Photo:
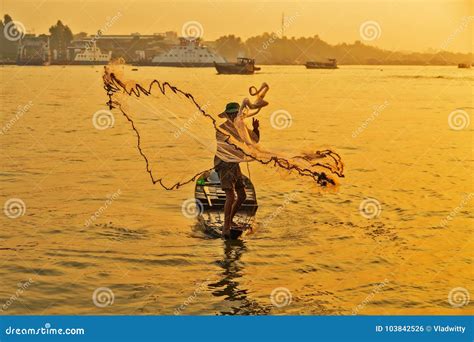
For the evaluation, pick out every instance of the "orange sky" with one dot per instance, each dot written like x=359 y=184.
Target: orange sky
x=404 y=25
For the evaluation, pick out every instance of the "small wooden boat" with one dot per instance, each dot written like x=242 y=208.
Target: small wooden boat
x=244 y=66
x=330 y=64
x=210 y=200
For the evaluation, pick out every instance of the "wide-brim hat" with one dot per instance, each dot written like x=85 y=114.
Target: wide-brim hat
x=230 y=108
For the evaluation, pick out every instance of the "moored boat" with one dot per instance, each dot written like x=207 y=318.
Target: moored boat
x=244 y=66
x=82 y=52
x=91 y=55
x=330 y=64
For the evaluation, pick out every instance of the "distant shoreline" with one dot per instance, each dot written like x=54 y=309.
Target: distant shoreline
x=211 y=67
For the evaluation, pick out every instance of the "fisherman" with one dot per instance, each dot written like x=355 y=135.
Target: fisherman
x=228 y=156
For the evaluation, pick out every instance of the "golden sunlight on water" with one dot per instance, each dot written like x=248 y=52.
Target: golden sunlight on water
x=403 y=158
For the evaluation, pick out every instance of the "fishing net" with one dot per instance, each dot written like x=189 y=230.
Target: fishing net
x=178 y=139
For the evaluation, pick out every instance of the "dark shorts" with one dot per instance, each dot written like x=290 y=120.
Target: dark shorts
x=229 y=174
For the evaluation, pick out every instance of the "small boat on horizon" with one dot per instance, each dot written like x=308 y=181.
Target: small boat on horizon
x=244 y=66
x=464 y=66
x=330 y=64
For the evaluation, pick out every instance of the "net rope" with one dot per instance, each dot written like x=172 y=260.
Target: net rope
x=233 y=141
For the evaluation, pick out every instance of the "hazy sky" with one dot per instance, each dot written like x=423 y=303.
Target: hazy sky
x=404 y=25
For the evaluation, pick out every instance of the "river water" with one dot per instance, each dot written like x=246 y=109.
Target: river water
x=316 y=251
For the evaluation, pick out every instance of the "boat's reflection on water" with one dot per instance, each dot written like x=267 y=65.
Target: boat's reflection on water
x=236 y=298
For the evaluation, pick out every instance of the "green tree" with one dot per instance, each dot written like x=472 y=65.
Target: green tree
x=230 y=47
x=61 y=37
x=8 y=48
x=81 y=35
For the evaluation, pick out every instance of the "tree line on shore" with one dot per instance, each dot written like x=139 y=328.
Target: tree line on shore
x=60 y=36
x=268 y=48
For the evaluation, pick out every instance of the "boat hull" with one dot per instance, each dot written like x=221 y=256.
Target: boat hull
x=89 y=62
x=79 y=62
x=210 y=199
x=320 y=66
x=235 y=69
x=174 y=64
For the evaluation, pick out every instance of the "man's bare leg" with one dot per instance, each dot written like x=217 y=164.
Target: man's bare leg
x=228 y=206
x=241 y=196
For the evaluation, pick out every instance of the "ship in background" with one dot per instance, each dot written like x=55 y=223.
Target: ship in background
x=81 y=52
x=188 y=53
x=330 y=64
x=33 y=51
x=244 y=66
x=36 y=51
x=90 y=54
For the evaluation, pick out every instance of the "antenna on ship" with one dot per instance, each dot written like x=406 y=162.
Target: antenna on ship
x=282 y=24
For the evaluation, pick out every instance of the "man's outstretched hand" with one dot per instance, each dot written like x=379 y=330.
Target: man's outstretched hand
x=256 y=131
x=255 y=124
